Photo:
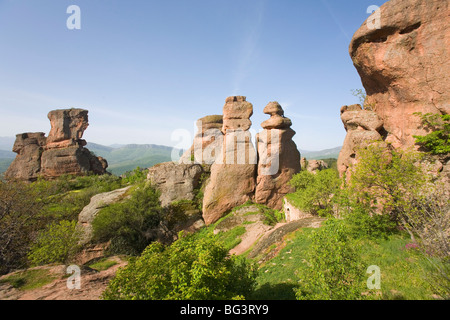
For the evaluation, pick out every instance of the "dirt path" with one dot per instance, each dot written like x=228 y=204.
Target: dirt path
x=92 y=284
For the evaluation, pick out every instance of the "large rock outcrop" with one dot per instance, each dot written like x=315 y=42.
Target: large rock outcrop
x=405 y=68
x=363 y=128
x=278 y=158
x=62 y=152
x=233 y=174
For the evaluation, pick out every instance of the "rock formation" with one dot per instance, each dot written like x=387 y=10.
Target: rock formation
x=89 y=212
x=313 y=165
x=223 y=147
x=363 y=128
x=207 y=141
x=62 y=152
x=405 y=68
x=233 y=174
x=175 y=181
x=279 y=158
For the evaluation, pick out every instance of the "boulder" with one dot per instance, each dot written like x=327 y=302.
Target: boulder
x=316 y=165
x=87 y=215
x=175 y=181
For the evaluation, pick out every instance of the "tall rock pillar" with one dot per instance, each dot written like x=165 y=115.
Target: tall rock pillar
x=279 y=158
x=233 y=174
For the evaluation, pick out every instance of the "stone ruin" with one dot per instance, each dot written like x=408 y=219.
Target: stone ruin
x=62 y=152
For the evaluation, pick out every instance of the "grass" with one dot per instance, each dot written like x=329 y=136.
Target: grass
x=231 y=238
x=103 y=264
x=402 y=270
x=30 y=279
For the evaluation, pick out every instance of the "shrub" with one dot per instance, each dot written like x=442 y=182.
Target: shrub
x=20 y=219
x=313 y=192
x=127 y=224
x=438 y=140
x=57 y=244
x=190 y=268
x=333 y=268
x=363 y=225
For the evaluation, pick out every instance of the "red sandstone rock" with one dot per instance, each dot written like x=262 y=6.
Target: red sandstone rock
x=27 y=164
x=279 y=158
x=233 y=173
x=405 y=65
x=61 y=153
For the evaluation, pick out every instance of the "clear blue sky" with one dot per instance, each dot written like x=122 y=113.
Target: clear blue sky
x=145 y=68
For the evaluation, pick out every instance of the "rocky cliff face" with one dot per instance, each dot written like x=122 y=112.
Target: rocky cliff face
x=404 y=67
x=62 y=152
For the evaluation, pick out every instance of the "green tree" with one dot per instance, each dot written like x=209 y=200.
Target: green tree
x=387 y=181
x=191 y=268
x=333 y=268
x=313 y=192
x=57 y=244
x=20 y=220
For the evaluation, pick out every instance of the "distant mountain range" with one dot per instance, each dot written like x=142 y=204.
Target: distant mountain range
x=322 y=154
x=123 y=158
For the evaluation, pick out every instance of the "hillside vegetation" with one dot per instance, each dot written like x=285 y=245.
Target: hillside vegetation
x=386 y=218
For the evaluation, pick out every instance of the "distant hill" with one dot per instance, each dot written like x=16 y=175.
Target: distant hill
x=322 y=154
x=124 y=158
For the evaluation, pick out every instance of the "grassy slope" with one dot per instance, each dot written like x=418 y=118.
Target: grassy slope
x=401 y=270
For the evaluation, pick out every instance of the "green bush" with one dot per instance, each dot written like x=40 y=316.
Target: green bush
x=362 y=225
x=57 y=244
x=127 y=224
x=438 y=140
x=333 y=267
x=313 y=192
x=189 y=269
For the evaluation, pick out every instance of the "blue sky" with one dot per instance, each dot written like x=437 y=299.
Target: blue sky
x=146 y=68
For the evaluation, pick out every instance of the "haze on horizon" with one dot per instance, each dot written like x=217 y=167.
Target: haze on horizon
x=144 y=69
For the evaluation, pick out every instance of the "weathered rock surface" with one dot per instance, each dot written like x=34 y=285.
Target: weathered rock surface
x=279 y=158
x=405 y=65
x=233 y=173
x=27 y=164
x=314 y=165
x=207 y=141
x=67 y=127
x=405 y=68
x=175 y=181
x=61 y=153
x=361 y=126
